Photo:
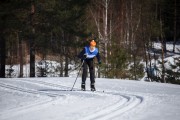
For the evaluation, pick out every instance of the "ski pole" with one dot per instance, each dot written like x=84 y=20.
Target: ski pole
x=77 y=75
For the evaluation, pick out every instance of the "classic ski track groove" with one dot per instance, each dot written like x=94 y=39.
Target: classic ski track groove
x=48 y=84
x=32 y=91
x=51 y=97
x=112 y=111
x=125 y=103
x=128 y=103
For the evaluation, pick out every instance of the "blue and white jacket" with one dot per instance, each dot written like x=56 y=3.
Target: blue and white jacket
x=90 y=54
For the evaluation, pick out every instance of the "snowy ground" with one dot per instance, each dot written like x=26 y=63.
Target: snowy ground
x=50 y=99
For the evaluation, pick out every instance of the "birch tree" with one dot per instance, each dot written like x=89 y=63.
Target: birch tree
x=101 y=19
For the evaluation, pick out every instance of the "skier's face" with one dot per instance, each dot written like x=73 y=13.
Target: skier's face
x=92 y=48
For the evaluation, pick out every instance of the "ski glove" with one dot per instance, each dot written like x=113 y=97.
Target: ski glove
x=84 y=56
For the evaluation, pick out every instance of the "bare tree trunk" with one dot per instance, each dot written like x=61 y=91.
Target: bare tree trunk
x=155 y=60
x=105 y=32
x=162 y=58
x=20 y=54
x=127 y=27
x=2 y=56
x=2 y=48
x=162 y=49
x=146 y=59
x=175 y=23
x=150 y=64
x=61 y=65
x=32 y=44
x=134 y=60
x=66 y=36
x=134 y=26
x=66 y=66
x=121 y=21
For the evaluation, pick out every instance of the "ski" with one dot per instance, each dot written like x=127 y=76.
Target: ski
x=83 y=90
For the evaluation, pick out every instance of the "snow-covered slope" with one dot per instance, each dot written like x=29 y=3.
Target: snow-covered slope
x=51 y=99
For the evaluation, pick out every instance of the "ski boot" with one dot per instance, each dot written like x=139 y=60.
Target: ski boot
x=93 y=87
x=83 y=87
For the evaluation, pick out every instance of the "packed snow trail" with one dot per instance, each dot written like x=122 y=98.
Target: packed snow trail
x=51 y=99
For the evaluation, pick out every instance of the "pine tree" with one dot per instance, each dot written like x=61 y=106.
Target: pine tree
x=11 y=15
x=173 y=72
x=161 y=69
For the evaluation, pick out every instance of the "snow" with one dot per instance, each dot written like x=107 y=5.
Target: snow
x=51 y=99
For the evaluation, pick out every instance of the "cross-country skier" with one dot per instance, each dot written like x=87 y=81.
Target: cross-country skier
x=87 y=55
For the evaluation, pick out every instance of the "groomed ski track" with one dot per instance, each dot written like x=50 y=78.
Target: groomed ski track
x=123 y=104
x=103 y=104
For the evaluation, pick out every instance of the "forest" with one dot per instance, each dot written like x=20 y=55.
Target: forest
x=57 y=30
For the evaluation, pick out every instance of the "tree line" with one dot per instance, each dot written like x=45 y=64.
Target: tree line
x=124 y=30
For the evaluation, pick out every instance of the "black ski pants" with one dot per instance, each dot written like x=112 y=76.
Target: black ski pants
x=88 y=63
